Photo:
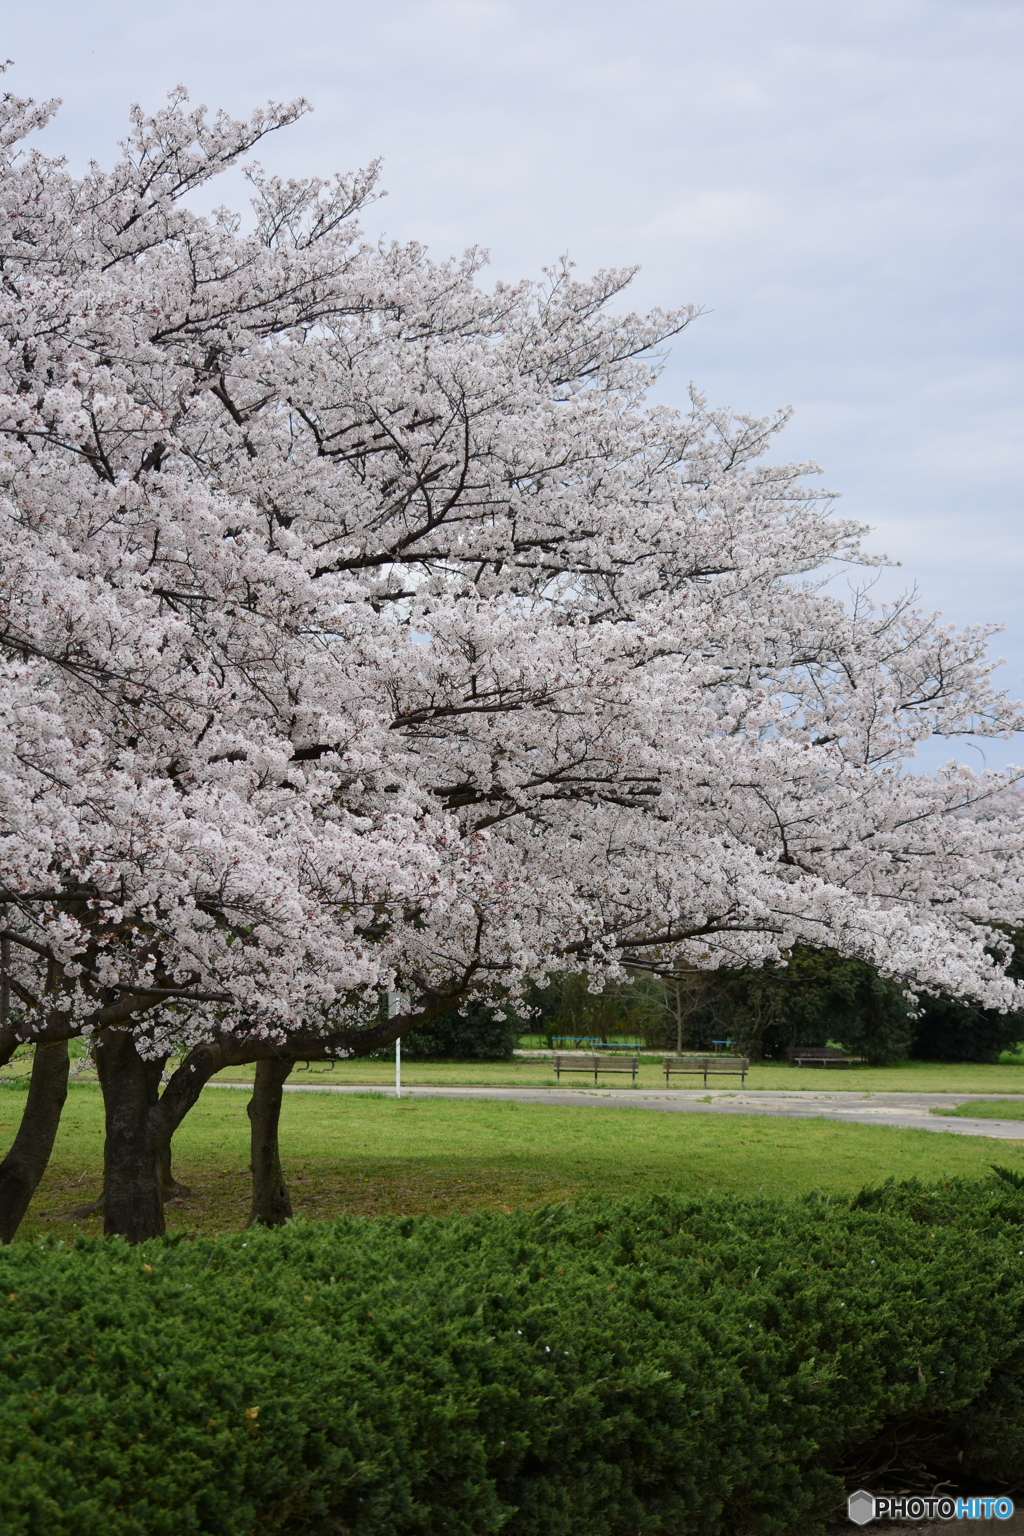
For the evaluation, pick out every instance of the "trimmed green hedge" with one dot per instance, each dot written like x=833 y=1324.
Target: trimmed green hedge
x=655 y=1365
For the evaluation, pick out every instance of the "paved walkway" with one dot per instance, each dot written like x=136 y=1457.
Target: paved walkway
x=911 y=1110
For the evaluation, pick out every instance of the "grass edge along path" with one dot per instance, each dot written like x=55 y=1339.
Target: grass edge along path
x=986 y=1109
x=528 y=1072
x=364 y=1155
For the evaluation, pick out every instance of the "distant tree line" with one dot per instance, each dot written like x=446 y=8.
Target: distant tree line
x=819 y=997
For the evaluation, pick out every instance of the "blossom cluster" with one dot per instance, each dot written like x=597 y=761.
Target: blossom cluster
x=363 y=626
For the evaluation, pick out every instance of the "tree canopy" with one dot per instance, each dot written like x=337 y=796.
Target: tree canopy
x=364 y=627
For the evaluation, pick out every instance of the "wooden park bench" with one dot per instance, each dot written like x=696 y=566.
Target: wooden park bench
x=820 y=1056
x=705 y=1064
x=575 y=1061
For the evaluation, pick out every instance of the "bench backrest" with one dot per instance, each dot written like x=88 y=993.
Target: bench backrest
x=795 y=1052
x=707 y=1063
x=580 y=1059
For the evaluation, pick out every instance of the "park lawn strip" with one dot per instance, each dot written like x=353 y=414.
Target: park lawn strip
x=900 y=1077
x=987 y=1109
x=372 y=1156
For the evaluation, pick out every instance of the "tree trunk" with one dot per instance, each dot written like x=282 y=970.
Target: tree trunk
x=132 y=1205
x=170 y=1189
x=26 y=1162
x=677 y=1007
x=271 y=1203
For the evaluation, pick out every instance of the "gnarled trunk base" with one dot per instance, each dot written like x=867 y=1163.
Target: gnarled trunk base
x=132 y=1204
x=170 y=1189
x=271 y=1203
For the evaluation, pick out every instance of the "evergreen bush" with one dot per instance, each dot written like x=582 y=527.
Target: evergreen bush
x=818 y=998
x=475 y=1035
x=660 y=1365
x=948 y=1029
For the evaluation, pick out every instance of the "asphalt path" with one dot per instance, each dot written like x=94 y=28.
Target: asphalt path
x=908 y=1110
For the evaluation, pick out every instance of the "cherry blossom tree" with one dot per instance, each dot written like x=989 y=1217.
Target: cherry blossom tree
x=364 y=627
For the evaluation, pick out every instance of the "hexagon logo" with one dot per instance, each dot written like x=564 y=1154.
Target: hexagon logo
x=860 y=1507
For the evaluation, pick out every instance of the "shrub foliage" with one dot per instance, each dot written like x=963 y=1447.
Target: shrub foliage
x=474 y=1035
x=949 y=1029
x=657 y=1365
x=818 y=997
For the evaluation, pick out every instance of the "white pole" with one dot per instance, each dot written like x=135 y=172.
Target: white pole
x=395 y=1005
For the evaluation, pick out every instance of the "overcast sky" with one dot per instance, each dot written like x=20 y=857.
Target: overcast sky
x=837 y=185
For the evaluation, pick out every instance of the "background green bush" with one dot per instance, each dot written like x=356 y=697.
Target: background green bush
x=656 y=1365
x=475 y=1035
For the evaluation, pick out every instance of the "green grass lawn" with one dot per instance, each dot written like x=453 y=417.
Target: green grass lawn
x=374 y=1155
x=988 y=1109
x=906 y=1076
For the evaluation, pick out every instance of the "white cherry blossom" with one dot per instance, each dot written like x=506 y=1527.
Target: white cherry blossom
x=365 y=626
